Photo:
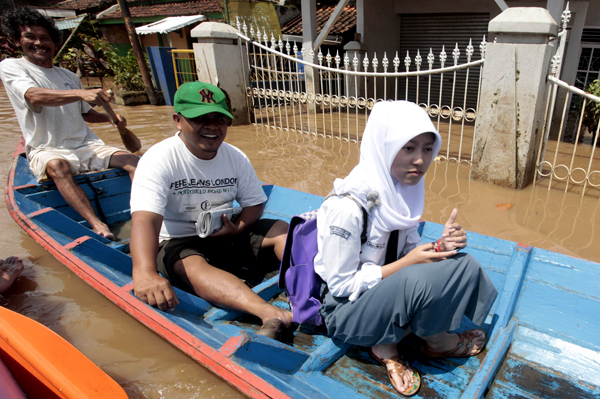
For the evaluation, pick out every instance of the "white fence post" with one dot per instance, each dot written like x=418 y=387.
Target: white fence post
x=511 y=107
x=219 y=62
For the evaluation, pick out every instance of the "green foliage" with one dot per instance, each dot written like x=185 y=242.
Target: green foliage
x=87 y=56
x=127 y=72
x=591 y=115
x=93 y=56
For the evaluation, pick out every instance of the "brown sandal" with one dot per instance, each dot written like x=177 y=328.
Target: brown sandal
x=399 y=366
x=465 y=339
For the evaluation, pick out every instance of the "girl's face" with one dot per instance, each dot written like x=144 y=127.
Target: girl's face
x=413 y=160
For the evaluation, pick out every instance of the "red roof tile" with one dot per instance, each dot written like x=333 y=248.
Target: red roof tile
x=345 y=22
x=36 y=3
x=85 y=5
x=169 y=9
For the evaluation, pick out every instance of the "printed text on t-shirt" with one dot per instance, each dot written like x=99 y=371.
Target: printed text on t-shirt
x=193 y=183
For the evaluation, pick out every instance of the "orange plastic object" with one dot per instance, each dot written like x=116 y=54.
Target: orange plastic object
x=46 y=366
x=504 y=206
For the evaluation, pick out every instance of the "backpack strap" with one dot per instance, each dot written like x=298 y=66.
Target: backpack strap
x=363 y=235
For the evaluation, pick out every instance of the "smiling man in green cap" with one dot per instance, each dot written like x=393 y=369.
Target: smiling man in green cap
x=193 y=172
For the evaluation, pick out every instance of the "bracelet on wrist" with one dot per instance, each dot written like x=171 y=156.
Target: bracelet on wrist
x=438 y=245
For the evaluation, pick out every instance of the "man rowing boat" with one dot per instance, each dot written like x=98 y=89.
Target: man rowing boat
x=52 y=109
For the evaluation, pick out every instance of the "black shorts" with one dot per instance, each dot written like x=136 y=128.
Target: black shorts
x=239 y=255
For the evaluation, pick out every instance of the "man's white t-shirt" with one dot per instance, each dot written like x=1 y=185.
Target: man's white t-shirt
x=46 y=127
x=173 y=182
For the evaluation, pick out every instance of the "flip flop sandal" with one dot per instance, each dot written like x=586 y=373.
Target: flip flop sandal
x=465 y=339
x=399 y=366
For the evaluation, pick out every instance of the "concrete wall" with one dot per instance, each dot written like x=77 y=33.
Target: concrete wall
x=592 y=19
x=149 y=40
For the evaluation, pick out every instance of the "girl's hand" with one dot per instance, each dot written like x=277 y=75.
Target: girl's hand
x=453 y=236
x=425 y=253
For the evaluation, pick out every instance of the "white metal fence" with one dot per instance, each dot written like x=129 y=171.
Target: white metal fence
x=291 y=88
x=567 y=156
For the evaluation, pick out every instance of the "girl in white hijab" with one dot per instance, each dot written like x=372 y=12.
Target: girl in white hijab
x=377 y=295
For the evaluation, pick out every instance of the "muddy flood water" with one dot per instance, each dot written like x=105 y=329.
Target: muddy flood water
x=146 y=365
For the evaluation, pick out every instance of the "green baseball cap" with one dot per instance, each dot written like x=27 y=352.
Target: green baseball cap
x=194 y=99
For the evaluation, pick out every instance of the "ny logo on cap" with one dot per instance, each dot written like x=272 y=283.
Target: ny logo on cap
x=207 y=96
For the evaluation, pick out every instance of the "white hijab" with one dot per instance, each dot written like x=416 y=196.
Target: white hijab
x=390 y=126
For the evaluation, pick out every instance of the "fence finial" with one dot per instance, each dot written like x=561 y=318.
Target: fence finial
x=566 y=17
x=418 y=60
x=396 y=62
x=385 y=62
x=555 y=64
x=483 y=47
x=470 y=51
x=443 y=56
x=375 y=62
x=430 y=58
x=407 y=61
x=455 y=54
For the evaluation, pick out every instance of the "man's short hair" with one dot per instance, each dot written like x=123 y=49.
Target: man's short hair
x=13 y=20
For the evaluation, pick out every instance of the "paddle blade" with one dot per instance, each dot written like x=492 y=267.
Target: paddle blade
x=51 y=360
x=130 y=140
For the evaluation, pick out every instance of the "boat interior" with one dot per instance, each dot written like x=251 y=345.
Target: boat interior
x=543 y=339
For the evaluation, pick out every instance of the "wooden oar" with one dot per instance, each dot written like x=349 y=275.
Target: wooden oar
x=47 y=366
x=130 y=140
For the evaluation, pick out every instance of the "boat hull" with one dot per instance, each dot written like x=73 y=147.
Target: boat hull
x=522 y=326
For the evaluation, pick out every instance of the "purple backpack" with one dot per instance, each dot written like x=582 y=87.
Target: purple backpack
x=297 y=271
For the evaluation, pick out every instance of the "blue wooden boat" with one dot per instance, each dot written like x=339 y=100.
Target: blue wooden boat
x=544 y=328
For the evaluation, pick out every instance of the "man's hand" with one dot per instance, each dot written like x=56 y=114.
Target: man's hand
x=155 y=291
x=228 y=228
x=453 y=236
x=122 y=122
x=95 y=96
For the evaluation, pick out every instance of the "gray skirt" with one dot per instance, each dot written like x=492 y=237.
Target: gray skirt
x=429 y=298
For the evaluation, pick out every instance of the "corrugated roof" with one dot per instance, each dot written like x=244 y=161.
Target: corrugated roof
x=346 y=21
x=70 y=23
x=169 y=24
x=169 y=9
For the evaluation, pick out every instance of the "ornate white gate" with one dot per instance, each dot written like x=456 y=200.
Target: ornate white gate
x=294 y=89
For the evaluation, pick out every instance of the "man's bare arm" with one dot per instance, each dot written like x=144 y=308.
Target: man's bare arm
x=94 y=116
x=55 y=98
x=148 y=285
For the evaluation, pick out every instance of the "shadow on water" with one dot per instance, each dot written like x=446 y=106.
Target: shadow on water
x=146 y=365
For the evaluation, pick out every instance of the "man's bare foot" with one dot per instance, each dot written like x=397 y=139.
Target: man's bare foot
x=274 y=312
x=448 y=344
x=276 y=322
x=403 y=378
x=103 y=230
x=10 y=268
